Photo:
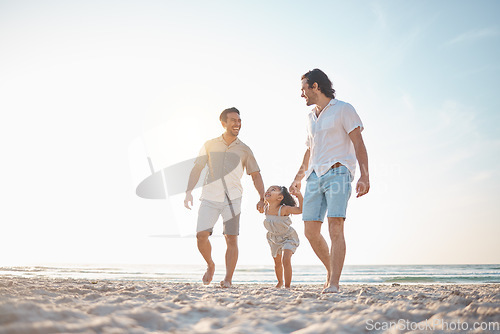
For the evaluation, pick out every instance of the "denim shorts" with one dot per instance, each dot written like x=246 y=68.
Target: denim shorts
x=330 y=191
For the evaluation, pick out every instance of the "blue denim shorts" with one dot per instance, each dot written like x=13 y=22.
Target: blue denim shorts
x=330 y=191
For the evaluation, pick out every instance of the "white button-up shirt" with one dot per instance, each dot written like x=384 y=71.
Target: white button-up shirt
x=328 y=137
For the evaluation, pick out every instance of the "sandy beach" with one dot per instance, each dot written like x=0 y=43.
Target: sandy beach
x=48 y=305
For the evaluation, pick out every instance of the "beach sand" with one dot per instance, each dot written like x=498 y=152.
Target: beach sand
x=46 y=305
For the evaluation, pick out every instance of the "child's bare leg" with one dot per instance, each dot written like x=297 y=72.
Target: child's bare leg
x=287 y=265
x=278 y=269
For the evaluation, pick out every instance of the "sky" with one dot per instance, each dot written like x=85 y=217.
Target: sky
x=89 y=90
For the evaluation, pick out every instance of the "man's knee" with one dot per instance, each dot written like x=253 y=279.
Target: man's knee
x=202 y=236
x=336 y=227
x=231 y=240
x=312 y=230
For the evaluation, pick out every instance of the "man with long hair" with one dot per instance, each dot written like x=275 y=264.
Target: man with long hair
x=334 y=143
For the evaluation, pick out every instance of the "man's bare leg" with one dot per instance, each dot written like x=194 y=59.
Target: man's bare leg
x=231 y=259
x=205 y=249
x=312 y=230
x=336 y=228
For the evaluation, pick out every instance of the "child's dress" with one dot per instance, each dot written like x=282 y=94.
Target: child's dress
x=280 y=234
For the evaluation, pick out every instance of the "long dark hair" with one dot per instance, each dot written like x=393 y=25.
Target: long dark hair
x=287 y=198
x=324 y=84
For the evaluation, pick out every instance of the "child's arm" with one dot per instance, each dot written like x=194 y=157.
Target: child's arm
x=293 y=210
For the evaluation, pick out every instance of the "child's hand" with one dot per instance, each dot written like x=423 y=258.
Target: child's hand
x=295 y=192
x=260 y=206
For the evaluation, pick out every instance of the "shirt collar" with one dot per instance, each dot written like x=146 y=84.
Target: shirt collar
x=331 y=103
x=237 y=141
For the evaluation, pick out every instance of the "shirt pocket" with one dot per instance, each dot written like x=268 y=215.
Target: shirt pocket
x=326 y=123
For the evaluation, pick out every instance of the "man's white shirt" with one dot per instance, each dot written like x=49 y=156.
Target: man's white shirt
x=328 y=137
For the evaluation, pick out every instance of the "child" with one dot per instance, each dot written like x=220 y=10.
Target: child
x=281 y=236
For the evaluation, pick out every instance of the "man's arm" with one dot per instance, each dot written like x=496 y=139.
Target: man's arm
x=295 y=187
x=259 y=185
x=363 y=185
x=193 y=180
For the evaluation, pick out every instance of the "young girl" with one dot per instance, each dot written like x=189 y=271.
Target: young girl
x=281 y=236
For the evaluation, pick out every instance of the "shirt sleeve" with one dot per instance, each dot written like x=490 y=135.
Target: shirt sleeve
x=251 y=164
x=202 y=158
x=350 y=119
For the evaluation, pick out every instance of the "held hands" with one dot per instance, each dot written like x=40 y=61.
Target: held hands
x=295 y=187
x=189 y=198
x=295 y=192
x=260 y=206
x=363 y=186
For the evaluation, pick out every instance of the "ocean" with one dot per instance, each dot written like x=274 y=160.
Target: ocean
x=352 y=274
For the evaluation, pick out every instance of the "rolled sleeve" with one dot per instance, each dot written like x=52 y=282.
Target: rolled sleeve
x=251 y=164
x=202 y=158
x=351 y=119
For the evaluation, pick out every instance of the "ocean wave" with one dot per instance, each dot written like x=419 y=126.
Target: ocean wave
x=302 y=274
x=443 y=279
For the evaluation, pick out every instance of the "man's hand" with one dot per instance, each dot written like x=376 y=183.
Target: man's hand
x=363 y=186
x=189 y=198
x=295 y=192
x=259 y=186
x=295 y=187
x=260 y=206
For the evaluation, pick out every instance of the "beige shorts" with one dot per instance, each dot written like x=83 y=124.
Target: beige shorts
x=210 y=211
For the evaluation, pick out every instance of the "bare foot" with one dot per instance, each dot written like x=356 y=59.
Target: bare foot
x=279 y=285
x=209 y=274
x=331 y=289
x=225 y=284
x=327 y=283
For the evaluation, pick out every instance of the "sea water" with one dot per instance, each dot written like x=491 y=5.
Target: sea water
x=352 y=274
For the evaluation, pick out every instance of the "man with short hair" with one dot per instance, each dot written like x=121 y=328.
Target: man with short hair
x=334 y=143
x=226 y=158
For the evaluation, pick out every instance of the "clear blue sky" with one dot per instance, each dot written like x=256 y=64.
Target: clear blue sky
x=89 y=89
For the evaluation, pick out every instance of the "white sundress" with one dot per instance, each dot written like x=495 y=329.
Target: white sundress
x=280 y=234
